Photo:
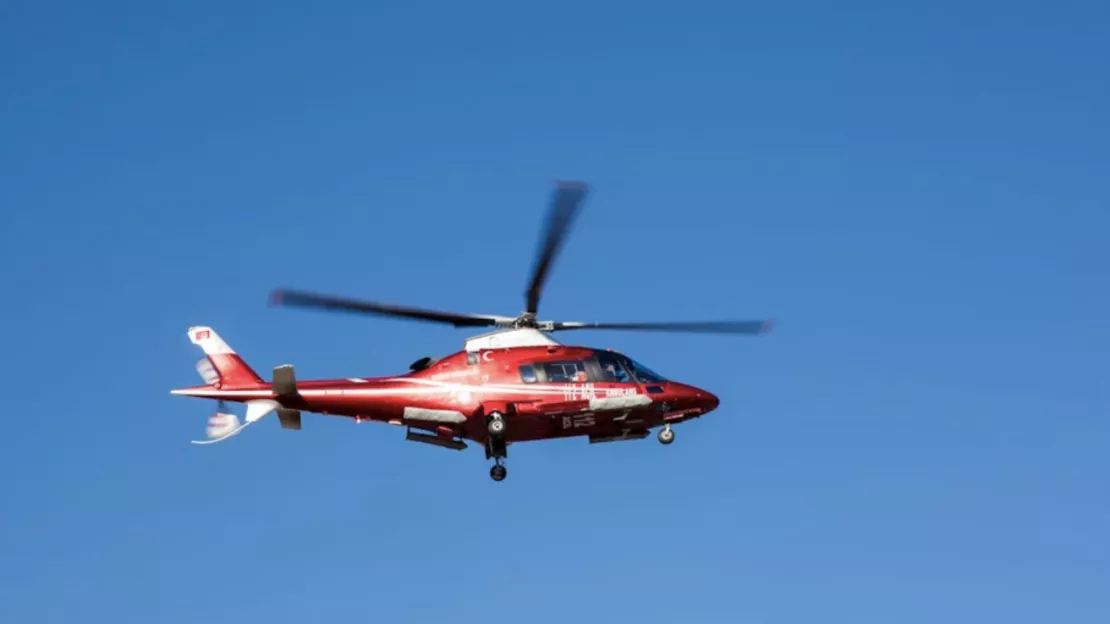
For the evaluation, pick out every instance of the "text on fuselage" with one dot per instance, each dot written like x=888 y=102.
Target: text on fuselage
x=587 y=392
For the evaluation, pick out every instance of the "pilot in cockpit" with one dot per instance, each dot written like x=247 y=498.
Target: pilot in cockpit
x=611 y=372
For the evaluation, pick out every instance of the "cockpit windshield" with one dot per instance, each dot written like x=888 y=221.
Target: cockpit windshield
x=642 y=373
x=623 y=369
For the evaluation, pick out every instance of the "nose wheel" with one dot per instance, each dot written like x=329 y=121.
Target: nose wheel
x=666 y=435
x=498 y=472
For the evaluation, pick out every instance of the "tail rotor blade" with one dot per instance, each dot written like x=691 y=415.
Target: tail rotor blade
x=224 y=424
x=221 y=425
x=207 y=372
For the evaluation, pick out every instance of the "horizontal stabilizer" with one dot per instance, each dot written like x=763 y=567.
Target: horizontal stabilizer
x=285 y=382
x=289 y=418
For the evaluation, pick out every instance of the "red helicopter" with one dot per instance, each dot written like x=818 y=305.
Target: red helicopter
x=514 y=384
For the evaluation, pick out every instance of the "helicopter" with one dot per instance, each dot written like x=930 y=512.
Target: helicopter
x=512 y=384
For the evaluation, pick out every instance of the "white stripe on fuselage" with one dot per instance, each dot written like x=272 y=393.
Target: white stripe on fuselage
x=431 y=386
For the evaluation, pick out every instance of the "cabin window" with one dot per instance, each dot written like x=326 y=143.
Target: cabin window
x=567 y=371
x=528 y=373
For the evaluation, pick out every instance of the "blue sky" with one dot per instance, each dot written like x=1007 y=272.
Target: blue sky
x=918 y=194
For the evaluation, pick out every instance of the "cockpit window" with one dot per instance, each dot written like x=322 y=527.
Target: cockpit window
x=612 y=370
x=644 y=374
x=640 y=372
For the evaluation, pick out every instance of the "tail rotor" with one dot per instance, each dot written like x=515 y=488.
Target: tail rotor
x=207 y=372
x=224 y=424
x=221 y=425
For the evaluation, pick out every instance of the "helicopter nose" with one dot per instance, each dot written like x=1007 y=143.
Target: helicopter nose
x=710 y=401
x=707 y=401
x=697 y=398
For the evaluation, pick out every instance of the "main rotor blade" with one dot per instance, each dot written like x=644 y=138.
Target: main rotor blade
x=704 y=327
x=564 y=206
x=304 y=299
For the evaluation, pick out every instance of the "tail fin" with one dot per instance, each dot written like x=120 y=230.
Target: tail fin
x=223 y=368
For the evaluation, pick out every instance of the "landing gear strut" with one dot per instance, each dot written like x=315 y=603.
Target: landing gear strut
x=496 y=447
x=496 y=424
x=666 y=435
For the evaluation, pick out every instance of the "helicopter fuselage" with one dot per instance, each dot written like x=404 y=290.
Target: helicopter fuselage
x=543 y=392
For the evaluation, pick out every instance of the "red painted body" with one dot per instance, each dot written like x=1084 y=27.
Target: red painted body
x=513 y=384
x=544 y=392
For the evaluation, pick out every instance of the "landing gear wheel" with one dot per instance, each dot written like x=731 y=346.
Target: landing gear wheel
x=666 y=435
x=496 y=424
x=498 y=472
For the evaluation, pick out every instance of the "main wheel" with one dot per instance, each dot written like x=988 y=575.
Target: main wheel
x=666 y=435
x=498 y=472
